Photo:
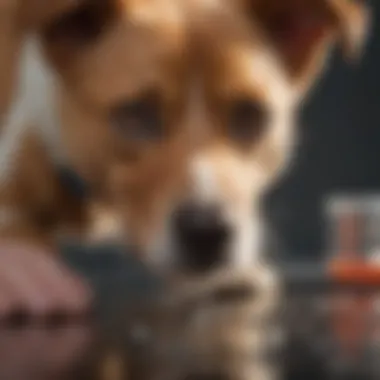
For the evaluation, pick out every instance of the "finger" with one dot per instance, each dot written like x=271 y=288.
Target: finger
x=40 y=283
x=18 y=293
x=21 y=276
x=19 y=281
x=69 y=292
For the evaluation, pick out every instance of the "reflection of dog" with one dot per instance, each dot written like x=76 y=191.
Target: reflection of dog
x=170 y=120
x=224 y=328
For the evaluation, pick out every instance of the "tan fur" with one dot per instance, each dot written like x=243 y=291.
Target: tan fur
x=199 y=57
x=10 y=41
x=36 y=198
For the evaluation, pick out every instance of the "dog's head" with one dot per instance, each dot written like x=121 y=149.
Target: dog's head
x=179 y=114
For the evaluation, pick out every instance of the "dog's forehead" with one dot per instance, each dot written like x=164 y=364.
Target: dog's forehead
x=152 y=13
x=223 y=44
x=199 y=22
x=153 y=43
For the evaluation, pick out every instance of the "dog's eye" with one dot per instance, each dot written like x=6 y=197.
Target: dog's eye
x=81 y=26
x=246 y=121
x=139 y=120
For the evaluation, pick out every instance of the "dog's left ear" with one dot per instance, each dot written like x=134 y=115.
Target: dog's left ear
x=302 y=31
x=35 y=13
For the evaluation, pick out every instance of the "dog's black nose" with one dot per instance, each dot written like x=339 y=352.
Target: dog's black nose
x=202 y=235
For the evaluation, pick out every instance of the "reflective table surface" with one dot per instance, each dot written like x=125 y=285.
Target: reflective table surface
x=97 y=347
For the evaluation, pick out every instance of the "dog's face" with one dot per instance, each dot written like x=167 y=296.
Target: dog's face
x=180 y=114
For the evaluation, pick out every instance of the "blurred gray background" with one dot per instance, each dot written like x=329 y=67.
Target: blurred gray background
x=339 y=150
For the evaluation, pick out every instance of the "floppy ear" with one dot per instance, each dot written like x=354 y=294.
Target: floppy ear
x=302 y=31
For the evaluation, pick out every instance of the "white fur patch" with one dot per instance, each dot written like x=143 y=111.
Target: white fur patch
x=204 y=181
x=105 y=226
x=33 y=107
x=264 y=70
x=246 y=243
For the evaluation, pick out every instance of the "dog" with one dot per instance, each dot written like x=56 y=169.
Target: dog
x=160 y=124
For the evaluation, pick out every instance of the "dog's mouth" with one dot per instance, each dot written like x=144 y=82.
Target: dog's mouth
x=221 y=289
x=232 y=293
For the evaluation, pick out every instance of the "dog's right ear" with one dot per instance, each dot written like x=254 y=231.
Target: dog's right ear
x=302 y=31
